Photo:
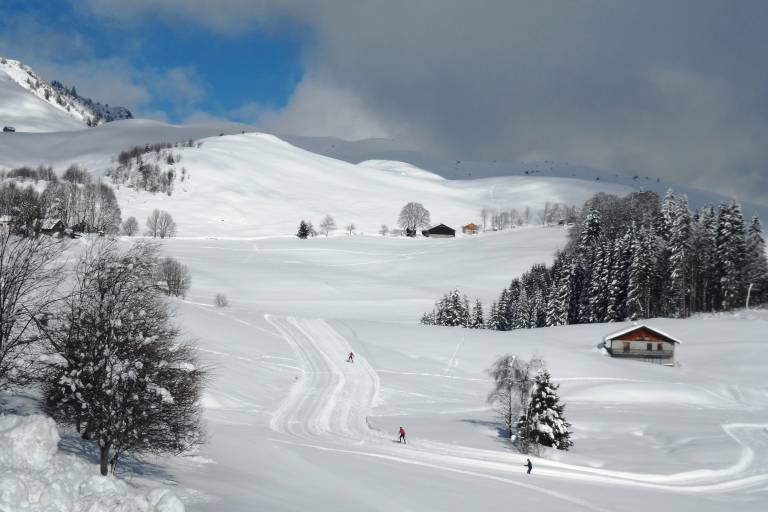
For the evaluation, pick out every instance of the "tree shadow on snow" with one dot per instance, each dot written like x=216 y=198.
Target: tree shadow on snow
x=19 y=404
x=502 y=432
x=127 y=467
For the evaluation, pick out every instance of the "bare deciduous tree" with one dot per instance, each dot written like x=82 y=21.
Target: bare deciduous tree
x=160 y=224
x=384 y=230
x=29 y=274
x=130 y=226
x=513 y=380
x=350 y=229
x=175 y=277
x=116 y=368
x=413 y=216
x=327 y=225
x=220 y=300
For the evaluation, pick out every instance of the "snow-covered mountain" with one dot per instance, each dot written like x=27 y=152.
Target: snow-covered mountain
x=30 y=104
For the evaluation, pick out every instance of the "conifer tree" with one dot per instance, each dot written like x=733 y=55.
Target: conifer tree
x=731 y=255
x=477 y=321
x=543 y=422
x=303 y=232
x=679 y=258
x=757 y=266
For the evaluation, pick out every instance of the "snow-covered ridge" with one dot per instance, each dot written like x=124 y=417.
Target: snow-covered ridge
x=35 y=477
x=62 y=100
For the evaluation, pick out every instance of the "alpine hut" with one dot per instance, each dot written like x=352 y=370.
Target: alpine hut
x=642 y=342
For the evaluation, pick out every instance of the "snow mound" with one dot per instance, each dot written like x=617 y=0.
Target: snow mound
x=34 y=477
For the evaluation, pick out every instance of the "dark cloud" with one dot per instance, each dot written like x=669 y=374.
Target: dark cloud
x=669 y=88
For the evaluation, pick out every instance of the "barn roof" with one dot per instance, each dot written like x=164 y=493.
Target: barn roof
x=440 y=228
x=615 y=335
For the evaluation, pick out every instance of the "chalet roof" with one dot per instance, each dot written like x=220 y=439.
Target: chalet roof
x=49 y=223
x=615 y=335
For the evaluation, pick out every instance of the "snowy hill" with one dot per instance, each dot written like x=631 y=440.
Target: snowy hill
x=253 y=184
x=30 y=104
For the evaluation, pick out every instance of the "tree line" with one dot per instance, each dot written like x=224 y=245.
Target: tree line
x=102 y=346
x=74 y=199
x=631 y=258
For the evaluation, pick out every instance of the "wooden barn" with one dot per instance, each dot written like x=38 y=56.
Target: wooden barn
x=51 y=227
x=642 y=342
x=439 y=231
x=470 y=229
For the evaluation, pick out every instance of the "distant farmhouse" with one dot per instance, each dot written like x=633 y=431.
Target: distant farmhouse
x=51 y=227
x=642 y=342
x=439 y=231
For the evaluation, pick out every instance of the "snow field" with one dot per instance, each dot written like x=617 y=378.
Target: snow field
x=324 y=431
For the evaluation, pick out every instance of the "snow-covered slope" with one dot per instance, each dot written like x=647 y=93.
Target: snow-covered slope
x=35 y=105
x=253 y=184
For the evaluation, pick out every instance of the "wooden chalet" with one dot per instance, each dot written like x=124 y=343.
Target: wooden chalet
x=439 y=231
x=470 y=229
x=642 y=342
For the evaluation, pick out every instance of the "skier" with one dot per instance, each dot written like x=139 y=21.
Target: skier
x=529 y=466
x=402 y=435
x=351 y=358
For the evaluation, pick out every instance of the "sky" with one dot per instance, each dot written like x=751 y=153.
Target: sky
x=669 y=88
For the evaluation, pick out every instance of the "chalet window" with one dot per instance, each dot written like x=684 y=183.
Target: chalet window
x=659 y=346
x=626 y=346
x=649 y=346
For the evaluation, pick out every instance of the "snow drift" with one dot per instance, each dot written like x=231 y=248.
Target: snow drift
x=35 y=477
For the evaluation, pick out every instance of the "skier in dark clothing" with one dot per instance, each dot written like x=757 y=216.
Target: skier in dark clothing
x=351 y=358
x=529 y=466
x=402 y=435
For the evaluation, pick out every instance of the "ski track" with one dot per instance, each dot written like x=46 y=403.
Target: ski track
x=328 y=406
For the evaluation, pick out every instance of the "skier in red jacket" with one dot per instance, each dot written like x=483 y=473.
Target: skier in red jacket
x=402 y=435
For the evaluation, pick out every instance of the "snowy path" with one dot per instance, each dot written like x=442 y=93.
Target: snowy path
x=329 y=403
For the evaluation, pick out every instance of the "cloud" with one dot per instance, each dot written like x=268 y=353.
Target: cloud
x=672 y=89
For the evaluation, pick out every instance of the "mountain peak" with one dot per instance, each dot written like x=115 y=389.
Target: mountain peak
x=52 y=106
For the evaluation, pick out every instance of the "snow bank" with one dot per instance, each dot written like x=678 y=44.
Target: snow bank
x=34 y=477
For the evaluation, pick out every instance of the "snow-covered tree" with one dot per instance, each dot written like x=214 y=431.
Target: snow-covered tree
x=413 y=216
x=757 y=266
x=327 y=225
x=543 y=422
x=384 y=230
x=477 y=319
x=641 y=275
x=117 y=370
x=513 y=379
x=731 y=255
x=679 y=257
x=452 y=310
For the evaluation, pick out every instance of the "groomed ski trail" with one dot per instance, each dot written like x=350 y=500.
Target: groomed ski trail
x=329 y=404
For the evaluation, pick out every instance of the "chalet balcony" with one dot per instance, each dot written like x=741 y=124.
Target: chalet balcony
x=640 y=353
